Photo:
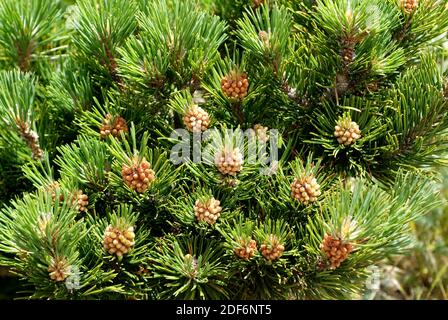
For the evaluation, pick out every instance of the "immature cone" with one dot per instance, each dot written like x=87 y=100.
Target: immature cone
x=261 y=133
x=113 y=126
x=347 y=132
x=306 y=189
x=59 y=269
x=409 y=6
x=139 y=175
x=235 y=85
x=208 y=211
x=336 y=250
x=118 y=241
x=273 y=249
x=247 y=249
x=82 y=201
x=196 y=119
x=31 y=138
x=229 y=162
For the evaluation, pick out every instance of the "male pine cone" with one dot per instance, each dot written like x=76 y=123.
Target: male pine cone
x=196 y=119
x=306 y=189
x=78 y=198
x=409 y=6
x=59 y=269
x=208 y=211
x=235 y=85
x=82 y=201
x=273 y=249
x=261 y=133
x=336 y=250
x=347 y=132
x=118 y=241
x=247 y=249
x=138 y=176
x=229 y=162
x=113 y=126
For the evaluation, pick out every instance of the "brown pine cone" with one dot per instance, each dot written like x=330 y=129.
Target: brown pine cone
x=229 y=162
x=235 y=85
x=139 y=175
x=247 y=249
x=273 y=249
x=306 y=189
x=347 y=131
x=196 y=119
x=118 y=241
x=336 y=250
x=208 y=211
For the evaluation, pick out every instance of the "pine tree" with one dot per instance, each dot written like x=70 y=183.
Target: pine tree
x=324 y=122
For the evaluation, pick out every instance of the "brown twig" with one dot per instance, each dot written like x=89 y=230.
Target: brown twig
x=24 y=57
x=238 y=112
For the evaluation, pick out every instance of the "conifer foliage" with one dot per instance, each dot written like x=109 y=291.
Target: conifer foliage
x=99 y=201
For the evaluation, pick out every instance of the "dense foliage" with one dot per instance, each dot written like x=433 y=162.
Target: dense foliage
x=343 y=103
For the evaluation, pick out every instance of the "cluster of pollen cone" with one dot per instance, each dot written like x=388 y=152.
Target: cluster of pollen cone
x=118 y=241
x=235 y=85
x=208 y=211
x=78 y=198
x=409 y=6
x=261 y=133
x=196 y=119
x=247 y=249
x=305 y=190
x=59 y=269
x=138 y=175
x=113 y=126
x=273 y=249
x=82 y=201
x=336 y=250
x=347 y=132
x=229 y=162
